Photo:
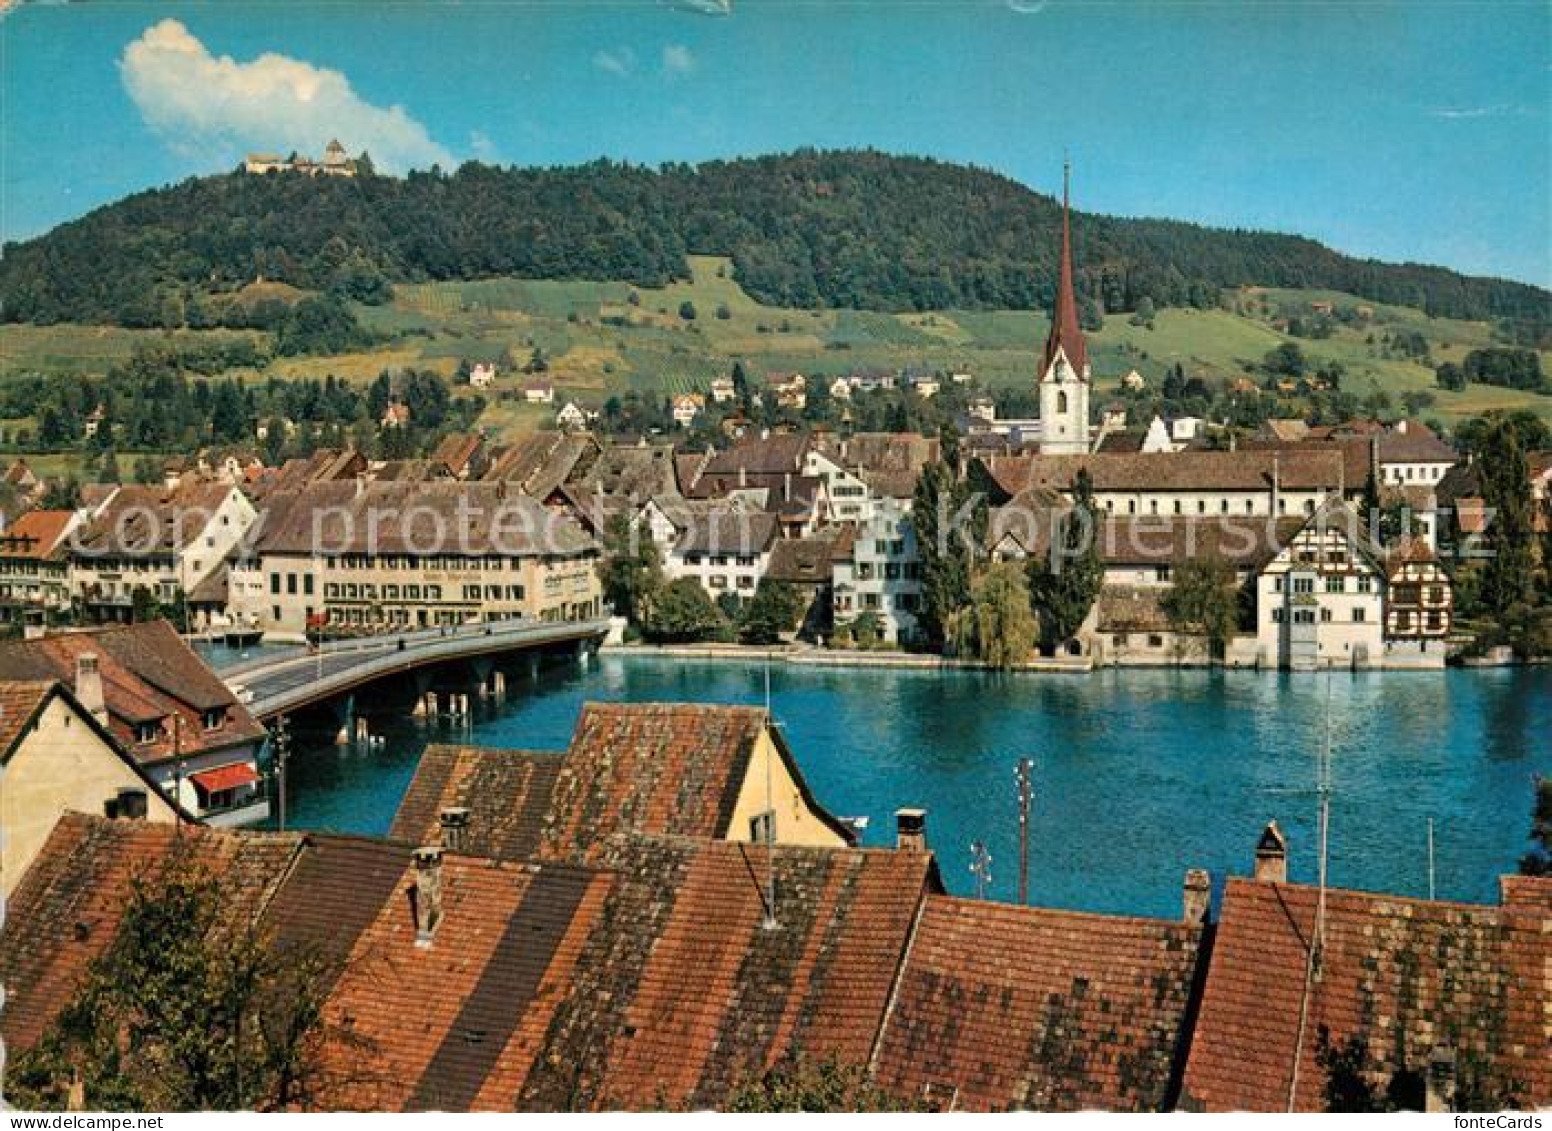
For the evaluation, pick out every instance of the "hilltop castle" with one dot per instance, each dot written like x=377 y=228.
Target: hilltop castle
x=336 y=163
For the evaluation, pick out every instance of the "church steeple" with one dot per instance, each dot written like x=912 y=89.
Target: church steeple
x=1066 y=334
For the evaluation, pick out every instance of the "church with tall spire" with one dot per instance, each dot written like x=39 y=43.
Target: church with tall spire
x=1064 y=369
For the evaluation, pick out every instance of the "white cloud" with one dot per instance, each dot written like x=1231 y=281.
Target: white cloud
x=618 y=62
x=677 y=59
x=211 y=108
x=707 y=7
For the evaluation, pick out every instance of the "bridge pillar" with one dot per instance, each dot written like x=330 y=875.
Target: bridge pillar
x=348 y=723
x=498 y=683
x=584 y=653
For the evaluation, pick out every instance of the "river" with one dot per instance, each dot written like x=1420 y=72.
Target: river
x=1139 y=774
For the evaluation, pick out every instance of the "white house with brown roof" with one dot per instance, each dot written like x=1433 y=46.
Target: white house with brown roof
x=57 y=757
x=164 y=541
x=1320 y=602
x=34 y=566
x=725 y=550
x=881 y=576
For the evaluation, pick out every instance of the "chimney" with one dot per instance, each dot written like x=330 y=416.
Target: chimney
x=455 y=828
x=743 y=475
x=88 y=686
x=1272 y=856
x=130 y=804
x=427 y=897
x=911 y=830
x=1277 y=487
x=786 y=487
x=1198 y=897
x=1439 y=1081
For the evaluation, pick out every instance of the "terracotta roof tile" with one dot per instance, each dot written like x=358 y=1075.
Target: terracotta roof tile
x=507 y=794
x=686 y=993
x=68 y=906
x=1406 y=975
x=148 y=674
x=1005 y=1007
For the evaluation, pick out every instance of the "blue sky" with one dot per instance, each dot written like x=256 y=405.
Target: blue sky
x=1412 y=131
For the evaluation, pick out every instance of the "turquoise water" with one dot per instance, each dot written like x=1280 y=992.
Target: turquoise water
x=1139 y=775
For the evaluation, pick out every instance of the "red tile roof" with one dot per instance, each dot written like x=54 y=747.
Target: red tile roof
x=507 y=794
x=672 y=768
x=1406 y=975
x=19 y=703
x=1003 y=1007
x=1294 y=468
x=148 y=674
x=687 y=993
x=36 y=535
x=657 y=768
x=68 y=906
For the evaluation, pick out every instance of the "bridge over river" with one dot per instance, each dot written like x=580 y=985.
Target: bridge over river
x=403 y=669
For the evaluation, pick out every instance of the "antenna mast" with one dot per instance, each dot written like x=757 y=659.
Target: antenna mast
x=1025 y=775
x=771 y=922
x=1430 y=859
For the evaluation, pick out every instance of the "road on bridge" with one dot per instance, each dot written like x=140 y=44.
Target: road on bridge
x=274 y=686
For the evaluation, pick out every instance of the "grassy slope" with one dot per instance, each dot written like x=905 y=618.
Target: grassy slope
x=658 y=353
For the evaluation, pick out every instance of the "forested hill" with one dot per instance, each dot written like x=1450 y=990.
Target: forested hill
x=846 y=229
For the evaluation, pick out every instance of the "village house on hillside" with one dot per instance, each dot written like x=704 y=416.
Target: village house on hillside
x=336 y=162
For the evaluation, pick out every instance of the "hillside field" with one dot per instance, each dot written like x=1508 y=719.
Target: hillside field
x=606 y=338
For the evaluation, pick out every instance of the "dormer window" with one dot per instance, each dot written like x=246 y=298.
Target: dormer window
x=148 y=732
x=214 y=718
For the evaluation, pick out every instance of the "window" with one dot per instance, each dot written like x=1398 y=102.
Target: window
x=214 y=718
x=1277 y=616
x=148 y=732
x=762 y=828
x=291 y=584
x=1061 y=401
x=307 y=584
x=1304 y=585
x=274 y=583
x=746 y=583
x=1325 y=615
x=717 y=581
x=1155 y=640
x=1335 y=584
x=1360 y=614
x=1161 y=573
x=1365 y=583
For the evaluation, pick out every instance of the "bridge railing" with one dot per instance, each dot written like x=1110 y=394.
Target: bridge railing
x=490 y=637
x=374 y=643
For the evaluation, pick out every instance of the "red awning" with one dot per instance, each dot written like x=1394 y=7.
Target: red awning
x=225 y=777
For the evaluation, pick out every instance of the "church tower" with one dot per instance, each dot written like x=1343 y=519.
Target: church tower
x=1064 y=373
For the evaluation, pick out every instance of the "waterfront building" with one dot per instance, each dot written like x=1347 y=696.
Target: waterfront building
x=881 y=576
x=695 y=770
x=35 y=566
x=57 y=757
x=1419 y=607
x=382 y=557
x=165 y=541
x=180 y=724
x=1320 y=600
x=725 y=550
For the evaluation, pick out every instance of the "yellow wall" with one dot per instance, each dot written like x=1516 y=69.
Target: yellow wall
x=61 y=764
x=796 y=823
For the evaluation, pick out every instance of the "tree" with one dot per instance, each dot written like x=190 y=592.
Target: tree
x=1204 y=599
x=631 y=569
x=193 y=1006
x=999 y=627
x=950 y=525
x=1064 y=584
x=687 y=310
x=1450 y=377
x=1509 y=572
x=1538 y=861
x=682 y=614
x=804 y=1085
x=774 y=610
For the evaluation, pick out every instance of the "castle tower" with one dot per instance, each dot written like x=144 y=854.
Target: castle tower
x=1064 y=372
